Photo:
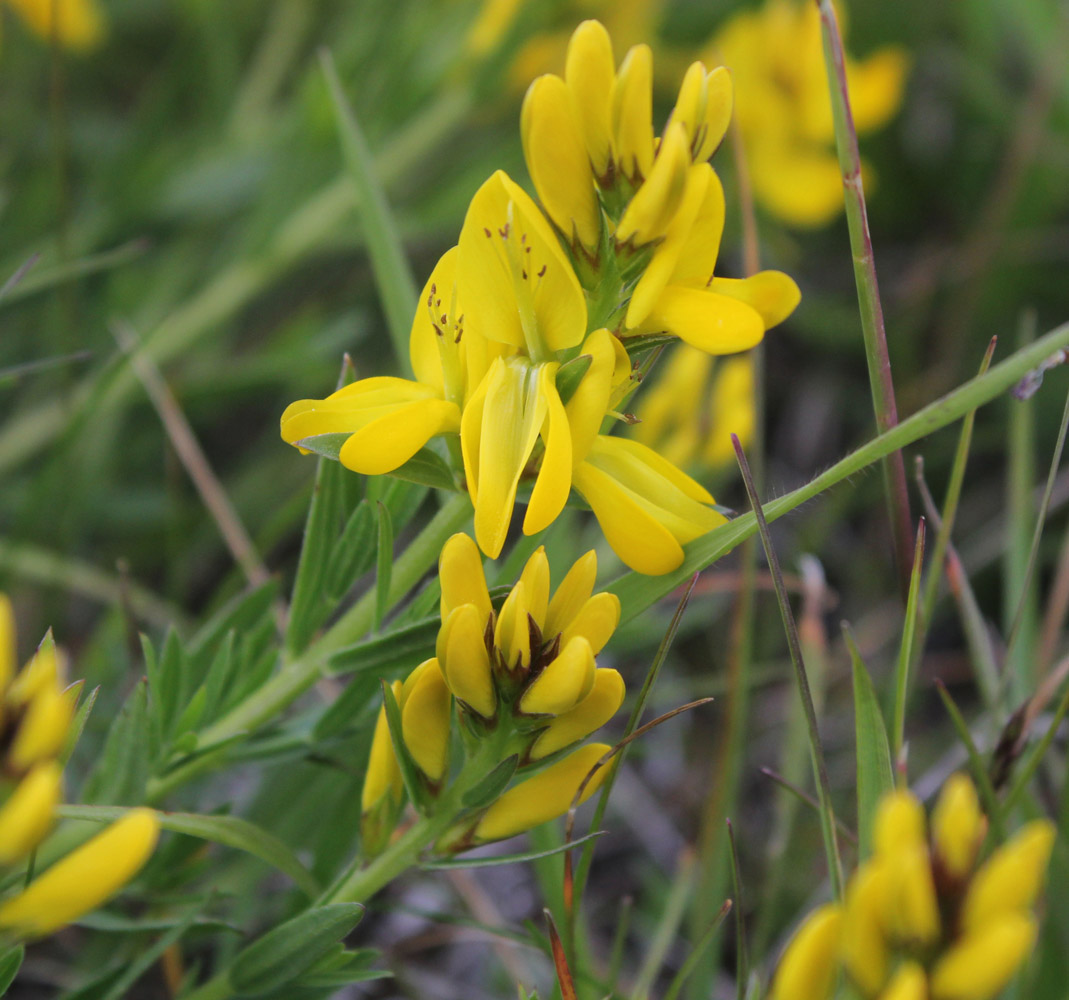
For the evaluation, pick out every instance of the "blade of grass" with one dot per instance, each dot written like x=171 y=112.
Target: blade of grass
x=806 y=799
x=619 y=940
x=1028 y=769
x=699 y=949
x=667 y=926
x=868 y=289
x=905 y=652
x=742 y=955
x=820 y=769
x=393 y=276
x=47 y=278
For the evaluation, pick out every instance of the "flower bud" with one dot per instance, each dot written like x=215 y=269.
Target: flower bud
x=864 y=941
x=601 y=704
x=982 y=962
x=535 y=580
x=545 y=796
x=43 y=729
x=909 y=983
x=27 y=815
x=914 y=910
x=590 y=73
x=464 y=659
x=460 y=570
x=650 y=211
x=596 y=621
x=899 y=823
x=563 y=683
x=425 y=717
x=957 y=826
x=1012 y=877
x=512 y=636
x=632 y=114
x=704 y=108
x=383 y=775
x=557 y=161
x=807 y=969
x=571 y=594
x=85 y=878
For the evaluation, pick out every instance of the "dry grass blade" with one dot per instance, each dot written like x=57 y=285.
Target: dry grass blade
x=560 y=962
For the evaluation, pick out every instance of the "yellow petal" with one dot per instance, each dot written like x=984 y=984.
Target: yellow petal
x=436 y=342
x=460 y=571
x=714 y=323
x=733 y=410
x=697 y=259
x=601 y=704
x=914 y=909
x=632 y=114
x=876 y=86
x=650 y=211
x=519 y=287
x=43 y=729
x=512 y=634
x=595 y=621
x=716 y=113
x=513 y=412
x=44 y=671
x=982 y=963
x=807 y=969
x=590 y=72
x=645 y=470
x=535 y=580
x=899 y=823
x=545 y=796
x=564 y=682
x=673 y=412
x=77 y=24
x=465 y=661
x=864 y=945
x=557 y=161
x=689 y=104
x=554 y=481
x=665 y=258
x=26 y=816
x=383 y=775
x=8 y=652
x=571 y=594
x=957 y=826
x=800 y=185
x=772 y=293
x=1012 y=877
x=425 y=720
x=589 y=403
x=909 y=983
x=471 y=429
x=387 y=443
x=85 y=878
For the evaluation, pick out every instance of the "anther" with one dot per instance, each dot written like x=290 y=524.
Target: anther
x=542 y=272
x=487 y=231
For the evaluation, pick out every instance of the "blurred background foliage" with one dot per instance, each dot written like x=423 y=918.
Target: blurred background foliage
x=184 y=177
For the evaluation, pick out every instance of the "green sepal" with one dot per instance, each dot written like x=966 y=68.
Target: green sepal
x=570 y=374
x=427 y=468
x=487 y=791
x=325 y=445
x=283 y=954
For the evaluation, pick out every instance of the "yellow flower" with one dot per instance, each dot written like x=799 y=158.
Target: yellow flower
x=909 y=983
x=957 y=826
x=689 y=414
x=77 y=24
x=384 y=790
x=545 y=796
x=26 y=817
x=784 y=112
x=647 y=508
x=865 y=950
x=85 y=878
x=603 y=701
x=808 y=967
x=426 y=711
x=983 y=961
x=901 y=844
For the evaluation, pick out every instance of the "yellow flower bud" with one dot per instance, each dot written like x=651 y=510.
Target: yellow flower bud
x=27 y=815
x=8 y=653
x=807 y=969
x=864 y=941
x=43 y=671
x=981 y=963
x=545 y=796
x=465 y=661
x=914 y=910
x=1012 y=877
x=899 y=823
x=909 y=983
x=535 y=580
x=649 y=213
x=43 y=729
x=383 y=775
x=590 y=73
x=557 y=161
x=704 y=108
x=512 y=636
x=632 y=114
x=596 y=621
x=957 y=825
x=601 y=704
x=425 y=718
x=565 y=682
x=85 y=878
x=460 y=570
x=571 y=594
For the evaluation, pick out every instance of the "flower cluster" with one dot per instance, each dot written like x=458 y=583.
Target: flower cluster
x=520 y=346
x=920 y=921
x=521 y=680
x=35 y=718
x=76 y=24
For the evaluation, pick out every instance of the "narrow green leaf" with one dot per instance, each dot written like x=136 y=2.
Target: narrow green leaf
x=490 y=788
x=354 y=551
x=230 y=831
x=570 y=374
x=168 y=690
x=238 y=615
x=396 y=287
x=406 y=646
x=122 y=770
x=10 y=962
x=219 y=675
x=509 y=859
x=875 y=776
x=410 y=773
x=384 y=567
x=292 y=948
x=77 y=726
x=905 y=652
x=191 y=717
x=427 y=468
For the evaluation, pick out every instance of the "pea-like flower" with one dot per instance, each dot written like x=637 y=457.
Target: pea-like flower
x=921 y=921
x=523 y=682
x=36 y=709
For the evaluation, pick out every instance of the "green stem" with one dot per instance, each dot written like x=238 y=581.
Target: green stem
x=300 y=674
